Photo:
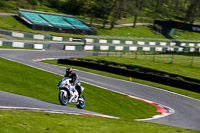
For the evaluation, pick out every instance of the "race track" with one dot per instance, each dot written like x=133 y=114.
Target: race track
x=187 y=110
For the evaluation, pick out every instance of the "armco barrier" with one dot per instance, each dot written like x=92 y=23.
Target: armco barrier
x=100 y=41
x=33 y=36
x=23 y=45
x=141 y=75
x=131 y=48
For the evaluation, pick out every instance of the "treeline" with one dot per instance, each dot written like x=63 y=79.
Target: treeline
x=112 y=10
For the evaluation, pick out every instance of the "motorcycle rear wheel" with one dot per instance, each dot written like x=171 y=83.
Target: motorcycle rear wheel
x=81 y=103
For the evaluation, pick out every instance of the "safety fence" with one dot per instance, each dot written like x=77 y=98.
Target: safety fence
x=99 y=47
x=97 y=41
x=23 y=45
x=34 y=36
x=105 y=44
x=131 y=48
x=130 y=42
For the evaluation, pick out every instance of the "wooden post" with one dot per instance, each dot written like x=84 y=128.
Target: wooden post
x=135 y=55
x=192 y=61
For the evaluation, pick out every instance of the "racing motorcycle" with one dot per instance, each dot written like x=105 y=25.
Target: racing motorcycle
x=68 y=94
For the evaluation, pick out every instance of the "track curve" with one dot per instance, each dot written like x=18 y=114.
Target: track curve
x=187 y=109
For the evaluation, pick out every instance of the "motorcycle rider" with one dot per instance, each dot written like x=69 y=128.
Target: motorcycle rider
x=75 y=79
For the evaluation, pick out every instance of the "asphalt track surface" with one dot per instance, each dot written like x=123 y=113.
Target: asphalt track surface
x=187 y=110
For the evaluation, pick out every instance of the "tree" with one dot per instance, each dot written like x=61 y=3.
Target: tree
x=97 y=10
x=138 y=5
x=192 y=11
x=75 y=7
x=118 y=9
x=108 y=8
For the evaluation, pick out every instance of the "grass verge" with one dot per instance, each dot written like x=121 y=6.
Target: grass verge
x=27 y=81
x=186 y=65
x=139 y=31
x=7 y=47
x=165 y=87
x=34 y=122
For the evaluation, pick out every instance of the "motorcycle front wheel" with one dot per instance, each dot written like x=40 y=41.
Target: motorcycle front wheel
x=63 y=97
x=81 y=102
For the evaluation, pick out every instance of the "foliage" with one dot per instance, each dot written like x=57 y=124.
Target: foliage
x=113 y=10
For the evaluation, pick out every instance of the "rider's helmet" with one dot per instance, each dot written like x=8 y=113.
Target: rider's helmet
x=69 y=71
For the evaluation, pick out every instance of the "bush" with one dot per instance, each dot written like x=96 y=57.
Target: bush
x=8 y=5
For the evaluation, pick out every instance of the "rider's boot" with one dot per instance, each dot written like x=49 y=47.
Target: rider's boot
x=78 y=88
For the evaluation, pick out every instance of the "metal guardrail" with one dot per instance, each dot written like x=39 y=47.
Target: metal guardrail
x=24 y=44
x=141 y=38
x=115 y=42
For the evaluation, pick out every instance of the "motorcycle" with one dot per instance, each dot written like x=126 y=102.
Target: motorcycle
x=68 y=94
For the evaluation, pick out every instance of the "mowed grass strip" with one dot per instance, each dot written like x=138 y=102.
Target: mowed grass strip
x=24 y=80
x=181 y=64
x=7 y=47
x=169 y=88
x=41 y=122
x=147 y=32
x=139 y=31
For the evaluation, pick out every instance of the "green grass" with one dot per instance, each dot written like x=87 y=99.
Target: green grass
x=147 y=32
x=180 y=34
x=7 y=47
x=180 y=66
x=139 y=31
x=141 y=19
x=12 y=23
x=169 y=88
x=24 y=80
x=41 y=122
x=131 y=19
x=31 y=82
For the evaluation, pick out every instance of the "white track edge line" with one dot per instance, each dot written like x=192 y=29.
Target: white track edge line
x=148 y=101
x=55 y=111
x=146 y=86
x=84 y=81
x=127 y=81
